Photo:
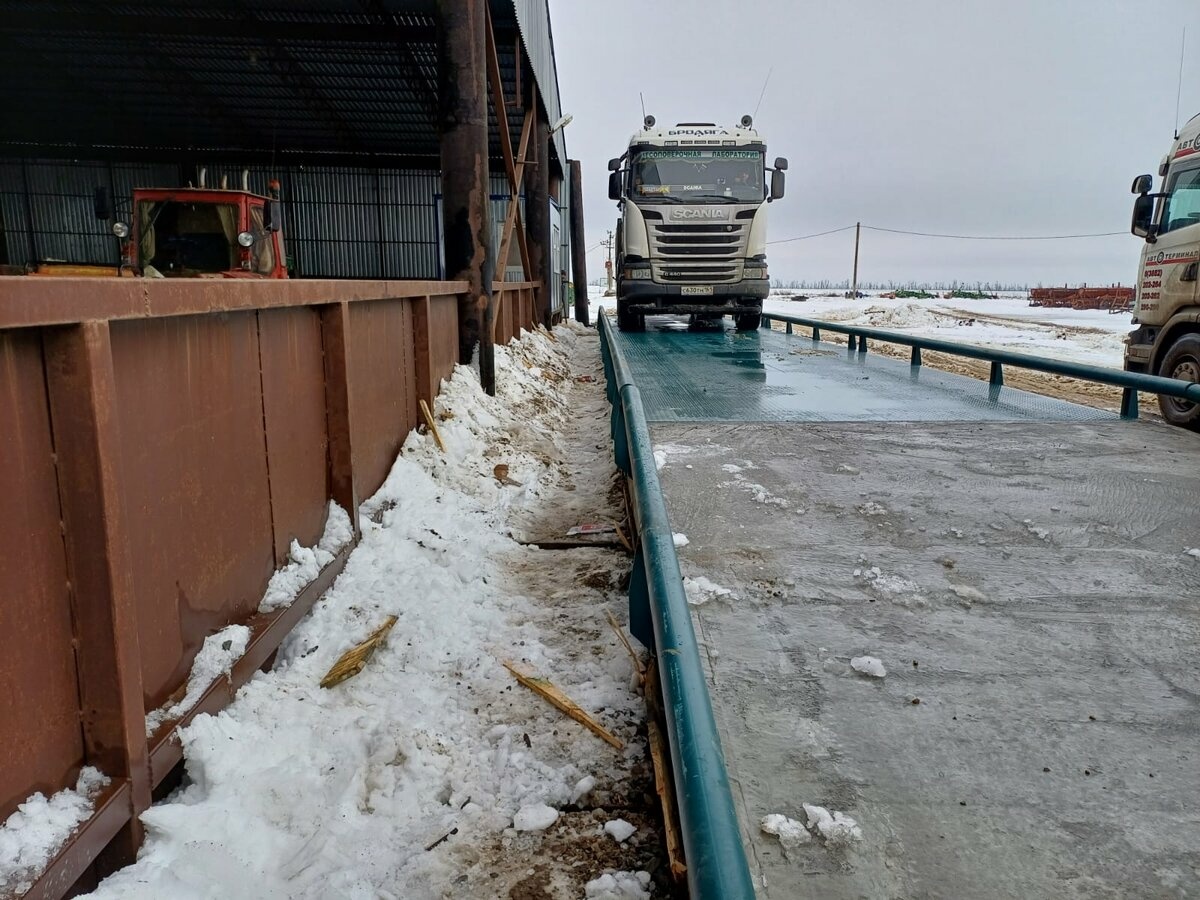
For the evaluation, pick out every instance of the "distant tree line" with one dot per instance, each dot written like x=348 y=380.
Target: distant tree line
x=826 y=284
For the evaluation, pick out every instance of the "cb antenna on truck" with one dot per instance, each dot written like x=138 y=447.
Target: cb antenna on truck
x=1179 y=88
x=763 y=92
x=643 y=101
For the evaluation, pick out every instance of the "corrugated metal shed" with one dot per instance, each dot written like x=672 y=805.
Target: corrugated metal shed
x=533 y=18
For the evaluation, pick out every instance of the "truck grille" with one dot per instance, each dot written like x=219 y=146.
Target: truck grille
x=698 y=254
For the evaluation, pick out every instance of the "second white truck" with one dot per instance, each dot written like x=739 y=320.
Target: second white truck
x=692 y=232
x=1166 y=302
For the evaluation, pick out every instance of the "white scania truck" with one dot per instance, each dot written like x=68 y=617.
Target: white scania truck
x=1166 y=302
x=692 y=236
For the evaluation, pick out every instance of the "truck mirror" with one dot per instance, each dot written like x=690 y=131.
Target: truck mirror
x=1142 y=184
x=777 y=180
x=102 y=204
x=1143 y=213
x=614 y=164
x=614 y=186
x=781 y=163
x=271 y=220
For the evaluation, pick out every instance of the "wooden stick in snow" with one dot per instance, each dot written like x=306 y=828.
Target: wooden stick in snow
x=556 y=698
x=432 y=425
x=353 y=660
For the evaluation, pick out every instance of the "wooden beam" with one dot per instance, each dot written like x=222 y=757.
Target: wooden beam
x=514 y=204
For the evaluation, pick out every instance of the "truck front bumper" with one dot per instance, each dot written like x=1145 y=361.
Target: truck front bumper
x=651 y=296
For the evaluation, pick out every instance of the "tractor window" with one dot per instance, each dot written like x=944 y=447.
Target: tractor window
x=264 y=244
x=181 y=238
x=1181 y=207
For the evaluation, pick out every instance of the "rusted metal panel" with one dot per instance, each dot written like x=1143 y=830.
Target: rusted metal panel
x=383 y=388
x=27 y=302
x=39 y=704
x=293 y=384
x=194 y=478
x=443 y=337
x=87 y=443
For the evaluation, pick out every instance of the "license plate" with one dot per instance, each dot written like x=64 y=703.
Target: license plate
x=693 y=290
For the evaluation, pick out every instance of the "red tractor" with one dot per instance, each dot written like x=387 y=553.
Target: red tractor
x=200 y=233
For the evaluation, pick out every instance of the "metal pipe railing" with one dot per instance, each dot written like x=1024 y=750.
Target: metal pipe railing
x=1130 y=382
x=717 y=868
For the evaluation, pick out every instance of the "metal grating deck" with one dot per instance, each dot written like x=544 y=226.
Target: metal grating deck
x=765 y=376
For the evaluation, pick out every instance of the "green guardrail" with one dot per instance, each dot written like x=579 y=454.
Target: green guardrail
x=1130 y=382
x=659 y=617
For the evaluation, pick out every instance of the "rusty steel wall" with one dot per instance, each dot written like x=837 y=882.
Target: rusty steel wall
x=383 y=388
x=195 y=483
x=41 y=741
x=297 y=439
x=443 y=337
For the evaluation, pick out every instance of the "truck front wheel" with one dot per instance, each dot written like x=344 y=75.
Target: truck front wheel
x=626 y=320
x=1183 y=362
x=749 y=321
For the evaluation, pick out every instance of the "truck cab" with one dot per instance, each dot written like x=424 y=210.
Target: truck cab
x=691 y=237
x=1166 y=301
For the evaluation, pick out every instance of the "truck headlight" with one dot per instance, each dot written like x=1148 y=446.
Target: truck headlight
x=644 y=274
x=754 y=272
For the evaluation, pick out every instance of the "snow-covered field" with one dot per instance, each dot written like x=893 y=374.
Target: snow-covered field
x=1094 y=337
x=432 y=773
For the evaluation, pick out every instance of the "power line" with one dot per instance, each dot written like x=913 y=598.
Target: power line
x=957 y=237
x=805 y=237
x=1005 y=237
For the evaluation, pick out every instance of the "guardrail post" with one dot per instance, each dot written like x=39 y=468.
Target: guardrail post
x=997 y=376
x=641 y=623
x=789 y=327
x=816 y=334
x=862 y=343
x=1129 y=403
x=916 y=356
x=851 y=342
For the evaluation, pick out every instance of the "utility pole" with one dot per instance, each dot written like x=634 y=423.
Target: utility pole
x=608 y=245
x=854 y=280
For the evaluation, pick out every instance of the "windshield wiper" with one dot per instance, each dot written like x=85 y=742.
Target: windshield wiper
x=726 y=198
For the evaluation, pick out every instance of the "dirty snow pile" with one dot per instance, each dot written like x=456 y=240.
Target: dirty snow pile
x=307 y=562
x=619 y=886
x=31 y=836
x=215 y=659
x=406 y=780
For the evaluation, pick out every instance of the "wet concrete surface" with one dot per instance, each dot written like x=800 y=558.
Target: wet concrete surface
x=1026 y=583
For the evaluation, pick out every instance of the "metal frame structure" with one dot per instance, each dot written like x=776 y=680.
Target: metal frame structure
x=660 y=618
x=1130 y=382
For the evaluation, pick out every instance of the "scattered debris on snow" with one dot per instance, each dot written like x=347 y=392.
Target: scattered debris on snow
x=836 y=828
x=967 y=595
x=871 y=508
x=535 y=817
x=619 y=886
x=215 y=660
x=307 y=562
x=899 y=590
x=681 y=540
x=31 y=836
x=619 y=830
x=790 y=832
x=868 y=665
x=1037 y=531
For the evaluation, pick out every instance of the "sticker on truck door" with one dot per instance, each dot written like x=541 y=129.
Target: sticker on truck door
x=694 y=289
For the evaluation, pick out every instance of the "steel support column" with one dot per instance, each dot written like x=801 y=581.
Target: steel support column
x=578 y=248
x=463 y=127
x=537 y=210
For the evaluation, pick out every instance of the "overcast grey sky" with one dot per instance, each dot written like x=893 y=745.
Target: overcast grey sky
x=986 y=118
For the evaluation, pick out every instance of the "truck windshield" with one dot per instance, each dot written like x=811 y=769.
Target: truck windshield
x=181 y=238
x=1181 y=206
x=733 y=176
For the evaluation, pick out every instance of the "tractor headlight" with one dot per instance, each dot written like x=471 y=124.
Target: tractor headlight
x=120 y=230
x=245 y=239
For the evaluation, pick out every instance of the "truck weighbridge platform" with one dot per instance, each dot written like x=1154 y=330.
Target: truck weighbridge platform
x=1032 y=571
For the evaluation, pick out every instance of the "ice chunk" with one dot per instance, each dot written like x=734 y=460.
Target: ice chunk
x=619 y=886
x=681 y=540
x=536 y=817
x=583 y=787
x=619 y=830
x=835 y=828
x=790 y=832
x=868 y=665
x=1193 y=552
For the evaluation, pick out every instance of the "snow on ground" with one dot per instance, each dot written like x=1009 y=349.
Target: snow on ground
x=215 y=659
x=407 y=780
x=31 y=836
x=868 y=665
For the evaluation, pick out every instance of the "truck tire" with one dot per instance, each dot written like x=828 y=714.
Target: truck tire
x=1183 y=362
x=749 y=321
x=629 y=321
